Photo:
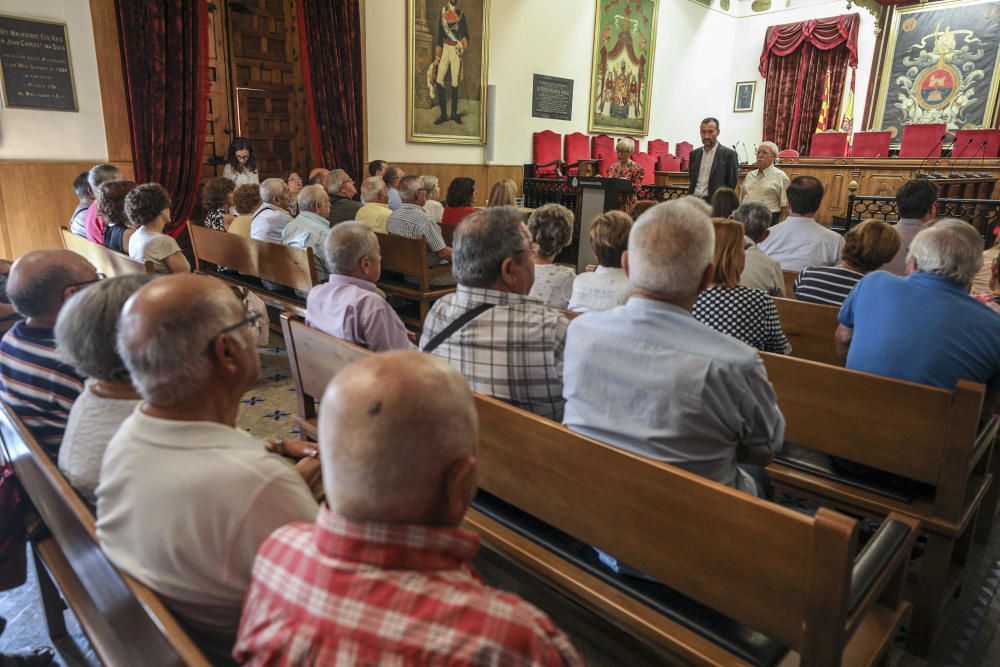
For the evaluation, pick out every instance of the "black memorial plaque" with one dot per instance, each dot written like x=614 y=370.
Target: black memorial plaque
x=35 y=64
x=552 y=97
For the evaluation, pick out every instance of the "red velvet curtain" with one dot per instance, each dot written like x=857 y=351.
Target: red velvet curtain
x=164 y=45
x=330 y=35
x=795 y=59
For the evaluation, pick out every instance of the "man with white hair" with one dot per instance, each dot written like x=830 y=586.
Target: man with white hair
x=925 y=327
x=383 y=576
x=348 y=306
x=93 y=221
x=760 y=271
x=376 y=209
x=412 y=221
x=270 y=218
x=766 y=184
x=310 y=227
x=649 y=378
x=186 y=498
x=341 y=188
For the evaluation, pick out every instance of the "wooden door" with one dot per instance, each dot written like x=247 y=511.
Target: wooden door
x=219 y=129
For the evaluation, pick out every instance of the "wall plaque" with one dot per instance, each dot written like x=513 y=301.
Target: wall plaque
x=35 y=65
x=552 y=97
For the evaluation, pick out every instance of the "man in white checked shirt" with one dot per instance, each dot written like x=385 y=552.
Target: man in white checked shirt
x=511 y=345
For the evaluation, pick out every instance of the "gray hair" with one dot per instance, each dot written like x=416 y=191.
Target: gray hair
x=669 y=248
x=335 y=180
x=430 y=184
x=347 y=244
x=271 y=188
x=771 y=146
x=698 y=203
x=169 y=364
x=483 y=241
x=102 y=173
x=950 y=248
x=311 y=196
x=756 y=219
x=372 y=187
x=409 y=187
x=88 y=326
x=626 y=144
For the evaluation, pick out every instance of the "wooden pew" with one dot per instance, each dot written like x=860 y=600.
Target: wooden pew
x=760 y=565
x=106 y=261
x=925 y=434
x=809 y=328
x=125 y=621
x=789 y=277
x=409 y=257
x=255 y=261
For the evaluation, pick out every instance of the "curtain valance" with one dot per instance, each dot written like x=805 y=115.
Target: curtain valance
x=824 y=34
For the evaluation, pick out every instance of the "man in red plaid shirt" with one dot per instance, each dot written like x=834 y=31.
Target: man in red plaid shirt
x=383 y=576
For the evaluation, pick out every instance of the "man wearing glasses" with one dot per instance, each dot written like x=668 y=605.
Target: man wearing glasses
x=34 y=382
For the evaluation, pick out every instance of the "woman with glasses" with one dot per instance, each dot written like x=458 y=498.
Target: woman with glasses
x=241 y=164
x=148 y=207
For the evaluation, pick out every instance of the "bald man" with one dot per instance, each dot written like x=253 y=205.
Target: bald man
x=34 y=382
x=186 y=498
x=319 y=176
x=383 y=576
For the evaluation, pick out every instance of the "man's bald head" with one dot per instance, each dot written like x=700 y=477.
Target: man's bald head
x=398 y=433
x=39 y=281
x=318 y=176
x=166 y=334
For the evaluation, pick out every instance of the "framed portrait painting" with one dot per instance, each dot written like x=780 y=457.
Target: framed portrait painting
x=743 y=99
x=622 y=72
x=940 y=66
x=447 y=47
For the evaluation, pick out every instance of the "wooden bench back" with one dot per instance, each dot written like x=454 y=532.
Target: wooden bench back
x=789 y=277
x=124 y=620
x=406 y=256
x=809 y=328
x=276 y=262
x=106 y=261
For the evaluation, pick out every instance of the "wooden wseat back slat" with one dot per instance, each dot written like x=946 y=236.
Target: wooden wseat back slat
x=276 y=262
x=125 y=621
x=809 y=327
x=409 y=257
x=789 y=277
x=106 y=261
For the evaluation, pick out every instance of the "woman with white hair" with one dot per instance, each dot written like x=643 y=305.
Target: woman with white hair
x=767 y=184
x=627 y=169
x=433 y=205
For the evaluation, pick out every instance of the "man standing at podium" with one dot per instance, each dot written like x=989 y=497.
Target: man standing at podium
x=713 y=165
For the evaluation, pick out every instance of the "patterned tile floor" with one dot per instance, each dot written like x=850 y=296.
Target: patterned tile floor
x=970 y=632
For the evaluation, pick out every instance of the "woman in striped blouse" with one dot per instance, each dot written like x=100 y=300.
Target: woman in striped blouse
x=866 y=248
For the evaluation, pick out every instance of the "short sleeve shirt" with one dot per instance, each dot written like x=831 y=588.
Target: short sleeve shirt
x=746 y=314
x=153 y=247
x=412 y=221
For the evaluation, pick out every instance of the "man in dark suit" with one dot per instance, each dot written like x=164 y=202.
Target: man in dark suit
x=712 y=166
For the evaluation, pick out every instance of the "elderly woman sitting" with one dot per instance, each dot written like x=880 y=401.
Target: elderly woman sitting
x=746 y=314
x=85 y=337
x=148 y=208
x=866 y=248
x=551 y=228
x=111 y=206
x=608 y=286
x=503 y=193
x=216 y=200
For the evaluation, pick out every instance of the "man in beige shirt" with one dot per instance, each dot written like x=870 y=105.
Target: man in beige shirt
x=376 y=209
x=766 y=184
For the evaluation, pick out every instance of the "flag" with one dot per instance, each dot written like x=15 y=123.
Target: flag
x=847 y=116
x=824 y=107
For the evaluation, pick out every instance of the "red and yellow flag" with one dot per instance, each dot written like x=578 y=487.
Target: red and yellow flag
x=824 y=108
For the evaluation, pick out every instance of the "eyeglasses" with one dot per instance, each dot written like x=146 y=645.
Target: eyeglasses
x=249 y=320
x=99 y=277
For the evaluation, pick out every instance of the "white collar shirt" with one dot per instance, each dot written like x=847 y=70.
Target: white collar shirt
x=268 y=222
x=798 y=243
x=767 y=187
x=705 y=170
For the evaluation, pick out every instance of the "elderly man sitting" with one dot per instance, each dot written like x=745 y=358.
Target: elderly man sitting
x=800 y=242
x=392 y=176
x=93 y=222
x=310 y=227
x=649 y=378
x=349 y=305
x=376 y=210
x=185 y=497
x=270 y=218
x=760 y=272
x=388 y=559
x=507 y=344
x=341 y=188
x=34 y=380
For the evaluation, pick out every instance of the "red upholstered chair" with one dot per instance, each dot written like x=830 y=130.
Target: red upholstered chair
x=657 y=147
x=684 y=149
x=921 y=141
x=829 y=144
x=668 y=163
x=870 y=144
x=546 y=147
x=575 y=148
x=788 y=152
x=970 y=144
x=602 y=147
x=635 y=143
x=648 y=164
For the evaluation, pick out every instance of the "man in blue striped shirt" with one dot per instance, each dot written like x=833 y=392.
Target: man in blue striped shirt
x=33 y=381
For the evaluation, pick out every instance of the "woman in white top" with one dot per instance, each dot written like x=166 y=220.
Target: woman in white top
x=551 y=228
x=241 y=164
x=433 y=205
x=148 y=208
x=608 y=286
x=85 y=336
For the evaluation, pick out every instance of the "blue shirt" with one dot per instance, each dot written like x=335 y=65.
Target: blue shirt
x=395 y=201
x=923 y=328
x=650 y=379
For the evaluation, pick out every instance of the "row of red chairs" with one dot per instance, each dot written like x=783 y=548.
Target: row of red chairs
x=551 y=151
x=919 y=141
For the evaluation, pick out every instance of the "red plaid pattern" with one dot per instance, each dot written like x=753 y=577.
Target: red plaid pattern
x=346 y=592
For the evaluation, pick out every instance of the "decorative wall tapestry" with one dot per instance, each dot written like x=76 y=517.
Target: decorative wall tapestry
x=622 y=74
x=940 y=67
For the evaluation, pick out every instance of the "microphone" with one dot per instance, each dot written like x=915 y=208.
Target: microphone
x=920 y=170
x=958 y=154
x=746 y=158
x=982 y=160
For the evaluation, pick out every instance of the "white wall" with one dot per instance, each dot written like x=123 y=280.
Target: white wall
x=30 y=134
x=700 y=55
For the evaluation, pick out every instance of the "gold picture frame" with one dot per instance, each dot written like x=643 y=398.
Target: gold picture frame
x=743 y=98
x=904 y=90
x=433 y=101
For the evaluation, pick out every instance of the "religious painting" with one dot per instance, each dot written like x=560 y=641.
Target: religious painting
x=743 y=100
x=622 y=78
x=940 y=67
x=447 y=47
